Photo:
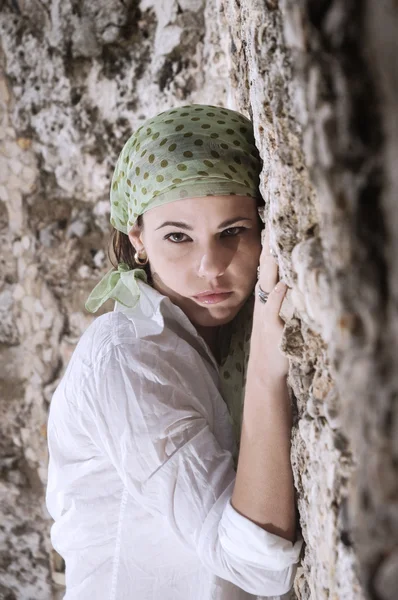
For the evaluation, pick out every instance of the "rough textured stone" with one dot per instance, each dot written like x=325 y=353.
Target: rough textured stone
x=320 y=83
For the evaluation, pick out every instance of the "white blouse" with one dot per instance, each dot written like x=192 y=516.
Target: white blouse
x=141 y=475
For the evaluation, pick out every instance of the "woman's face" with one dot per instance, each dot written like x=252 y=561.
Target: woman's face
x=211 y=243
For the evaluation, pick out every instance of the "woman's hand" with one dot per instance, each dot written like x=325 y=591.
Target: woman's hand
x=276 y=364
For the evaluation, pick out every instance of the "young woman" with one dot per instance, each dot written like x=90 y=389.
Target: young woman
x=148 y=497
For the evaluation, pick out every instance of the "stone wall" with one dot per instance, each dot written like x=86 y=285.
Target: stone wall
x=77 y=78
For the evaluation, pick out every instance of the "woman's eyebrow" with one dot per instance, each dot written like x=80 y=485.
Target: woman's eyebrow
x=189 y=228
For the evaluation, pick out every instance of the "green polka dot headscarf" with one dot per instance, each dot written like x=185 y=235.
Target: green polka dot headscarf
x=187 y=152
x=191 y=151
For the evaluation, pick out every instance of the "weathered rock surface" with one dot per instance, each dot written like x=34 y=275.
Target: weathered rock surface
x=320 y=82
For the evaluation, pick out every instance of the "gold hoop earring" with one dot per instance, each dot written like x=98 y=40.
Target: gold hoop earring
x=139 y=261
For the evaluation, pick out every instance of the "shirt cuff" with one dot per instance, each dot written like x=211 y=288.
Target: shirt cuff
x=249 y=543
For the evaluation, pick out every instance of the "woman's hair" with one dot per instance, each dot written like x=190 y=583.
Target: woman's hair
x=124 y=250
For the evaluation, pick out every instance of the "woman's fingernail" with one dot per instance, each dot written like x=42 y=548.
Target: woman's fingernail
x=280 y=286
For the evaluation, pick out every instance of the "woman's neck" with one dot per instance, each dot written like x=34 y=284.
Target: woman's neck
x=210 y=336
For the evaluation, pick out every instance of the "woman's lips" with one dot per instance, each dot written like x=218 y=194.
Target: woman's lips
x=213 y=298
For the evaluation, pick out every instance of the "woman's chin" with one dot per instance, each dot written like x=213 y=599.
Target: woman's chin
x=213 y=315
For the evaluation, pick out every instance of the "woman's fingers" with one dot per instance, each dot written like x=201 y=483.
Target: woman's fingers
x=268 y=274
x=276 y=297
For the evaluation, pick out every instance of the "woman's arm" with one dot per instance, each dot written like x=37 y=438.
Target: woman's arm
x=264 y=491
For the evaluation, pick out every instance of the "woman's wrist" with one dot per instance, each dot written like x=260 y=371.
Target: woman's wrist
x=264 y=377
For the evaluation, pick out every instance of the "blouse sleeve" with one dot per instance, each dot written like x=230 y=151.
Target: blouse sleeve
x=155 y=425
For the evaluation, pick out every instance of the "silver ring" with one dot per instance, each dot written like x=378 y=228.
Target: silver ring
x=262 y=295
x=272 y=252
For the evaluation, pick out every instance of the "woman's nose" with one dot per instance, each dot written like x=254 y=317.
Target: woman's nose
x=213 y=263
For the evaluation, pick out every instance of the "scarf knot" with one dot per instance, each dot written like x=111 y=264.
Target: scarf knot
x=120 y=284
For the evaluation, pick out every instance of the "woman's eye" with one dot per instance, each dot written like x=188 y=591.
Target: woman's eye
x=168 y=236
x=235 y=230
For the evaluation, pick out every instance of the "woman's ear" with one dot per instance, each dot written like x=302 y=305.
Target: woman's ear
x=135 y=237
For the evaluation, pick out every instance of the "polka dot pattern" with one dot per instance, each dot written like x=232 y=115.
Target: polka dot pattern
x=235 y=350
x=212 y=148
